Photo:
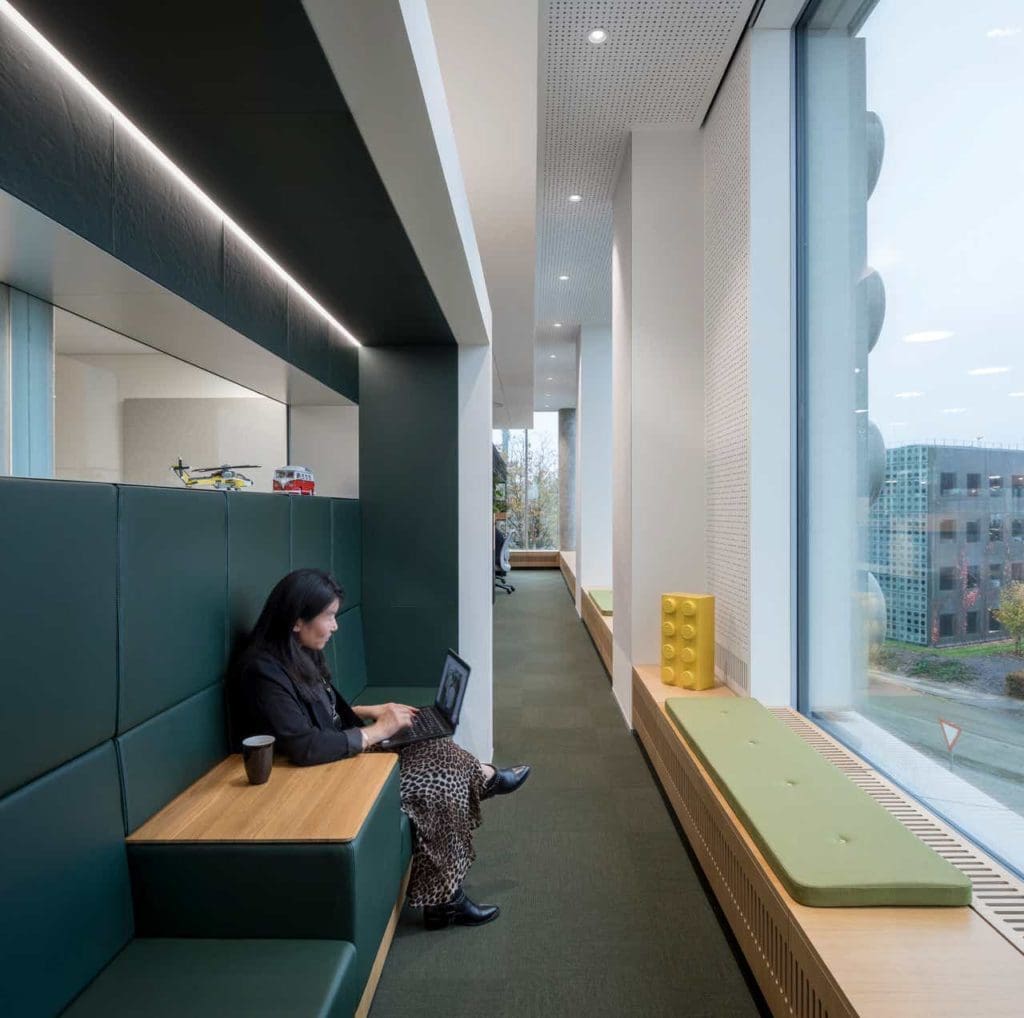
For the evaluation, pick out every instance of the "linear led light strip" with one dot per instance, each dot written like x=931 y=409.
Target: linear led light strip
x=86 y=86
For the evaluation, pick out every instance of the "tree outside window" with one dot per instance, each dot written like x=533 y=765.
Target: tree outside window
x=532 y=488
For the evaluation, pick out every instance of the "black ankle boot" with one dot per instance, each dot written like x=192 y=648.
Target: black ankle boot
x=460 y=911
x=506 y=780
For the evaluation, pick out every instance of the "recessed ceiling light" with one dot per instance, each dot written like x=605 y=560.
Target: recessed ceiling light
x=932 y=336
x=597 y=36
x=549 y=379
x=1017 y=395
x=988 y=371
x=913 y=394
x=551 y=355
x=558 y=325
x=955 y=410
x=575 y=197
x=547 y=395
x=563 y=278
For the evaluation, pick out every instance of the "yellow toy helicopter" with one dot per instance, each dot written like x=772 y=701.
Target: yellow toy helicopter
x=223 y=478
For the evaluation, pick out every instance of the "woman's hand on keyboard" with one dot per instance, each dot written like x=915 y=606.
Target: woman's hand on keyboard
x=391 y=719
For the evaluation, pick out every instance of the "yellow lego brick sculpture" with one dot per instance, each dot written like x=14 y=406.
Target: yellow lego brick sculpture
x=688 y=640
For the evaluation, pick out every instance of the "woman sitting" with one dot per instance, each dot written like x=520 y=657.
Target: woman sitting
x=286 y=691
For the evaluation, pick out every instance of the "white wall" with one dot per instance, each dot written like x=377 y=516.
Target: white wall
x=658 y=340
x=326 y=440
x=476 y=562
x=622 y=435
x=203 y=432
x=594 y=461
x=727 y=367
x=87 y=422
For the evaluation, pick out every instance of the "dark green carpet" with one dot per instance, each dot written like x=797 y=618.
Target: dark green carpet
x=602 y=912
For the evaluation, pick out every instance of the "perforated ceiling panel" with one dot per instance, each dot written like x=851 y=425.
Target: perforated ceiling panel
x=660 y=64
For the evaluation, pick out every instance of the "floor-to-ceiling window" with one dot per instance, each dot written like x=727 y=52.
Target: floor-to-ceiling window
x=910 y=162
x=530 y=493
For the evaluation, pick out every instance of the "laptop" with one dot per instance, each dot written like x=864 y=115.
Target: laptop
x=442 y=719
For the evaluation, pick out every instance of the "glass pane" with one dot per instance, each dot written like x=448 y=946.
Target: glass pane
x=531 y=491
x=912 y=380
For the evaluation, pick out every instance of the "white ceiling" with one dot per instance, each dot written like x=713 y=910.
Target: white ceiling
x=661 y=64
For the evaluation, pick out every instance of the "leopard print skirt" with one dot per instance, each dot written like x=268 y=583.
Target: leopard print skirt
x=441 y=789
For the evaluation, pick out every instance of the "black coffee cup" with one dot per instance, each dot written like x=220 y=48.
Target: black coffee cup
x=258 y=754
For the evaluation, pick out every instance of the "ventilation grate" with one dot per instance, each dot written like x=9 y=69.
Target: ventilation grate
x=998 y=894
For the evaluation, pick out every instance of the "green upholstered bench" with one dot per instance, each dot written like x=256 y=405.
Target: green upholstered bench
x=827 y=841
x=603 y=598
x=167 y=978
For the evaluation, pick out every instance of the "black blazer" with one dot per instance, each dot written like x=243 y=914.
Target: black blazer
x=304 y=731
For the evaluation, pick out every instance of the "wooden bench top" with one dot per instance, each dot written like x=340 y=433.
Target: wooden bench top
x=325 y=803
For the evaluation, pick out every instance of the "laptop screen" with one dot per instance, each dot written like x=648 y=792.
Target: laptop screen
x=452 y=688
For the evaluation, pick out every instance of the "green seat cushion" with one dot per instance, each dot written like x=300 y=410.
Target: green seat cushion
x=602 y=597
x=166 y=978
x=827 y=841
x=414 y=696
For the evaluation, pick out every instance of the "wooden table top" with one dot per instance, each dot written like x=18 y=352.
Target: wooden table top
x=325 y=803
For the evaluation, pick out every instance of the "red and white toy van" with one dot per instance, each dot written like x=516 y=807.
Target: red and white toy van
x=295 y=480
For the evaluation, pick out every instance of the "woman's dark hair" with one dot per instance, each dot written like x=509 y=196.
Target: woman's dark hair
x=302 y=594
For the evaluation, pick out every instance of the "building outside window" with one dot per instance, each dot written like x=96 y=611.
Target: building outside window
x=531 y=493
x=908 y=340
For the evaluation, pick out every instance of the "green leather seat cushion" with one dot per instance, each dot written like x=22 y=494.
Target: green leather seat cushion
x=827 y=841
x=603 y=598
x=224 y=978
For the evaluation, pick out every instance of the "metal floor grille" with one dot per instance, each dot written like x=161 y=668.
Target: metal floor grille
x=998 y=895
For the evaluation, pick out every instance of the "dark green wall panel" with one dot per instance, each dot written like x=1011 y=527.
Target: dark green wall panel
x=255 y=296
x=163 y=756
x=259 y=554
x=58 y=623
x=409 y=498
x=67 y=907
x=347 y=559
x=160 y=229
x=349 y=665
x=57 y=146
x=308 y=346
x=173 y=597
x=311 y=532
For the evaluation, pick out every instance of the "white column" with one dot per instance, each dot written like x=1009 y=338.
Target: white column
x=476 y=569
x=594 y=461
x=771 y=353
x=658 y=365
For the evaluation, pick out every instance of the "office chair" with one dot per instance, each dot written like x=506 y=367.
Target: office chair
x=502 y=562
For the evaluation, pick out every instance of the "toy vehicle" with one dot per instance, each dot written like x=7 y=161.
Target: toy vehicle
x=222 y=478
x=295 y=480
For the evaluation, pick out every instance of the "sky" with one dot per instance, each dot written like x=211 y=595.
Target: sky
x=946 y=220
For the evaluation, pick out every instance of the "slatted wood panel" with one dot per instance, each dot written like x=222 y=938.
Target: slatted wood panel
x=567 y=563
x=600 y=628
